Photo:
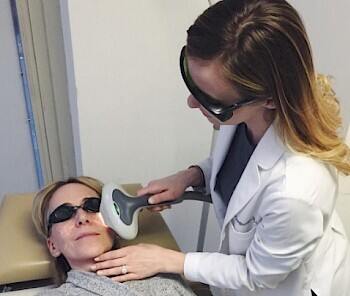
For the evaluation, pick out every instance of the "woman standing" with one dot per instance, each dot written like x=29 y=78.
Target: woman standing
x=273 y=174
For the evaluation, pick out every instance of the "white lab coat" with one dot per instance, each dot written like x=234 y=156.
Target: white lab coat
x=280 y=234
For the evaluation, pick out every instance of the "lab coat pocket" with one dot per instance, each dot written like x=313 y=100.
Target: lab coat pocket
x=240 y=236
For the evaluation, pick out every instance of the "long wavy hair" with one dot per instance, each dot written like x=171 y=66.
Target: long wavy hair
x=265 y=53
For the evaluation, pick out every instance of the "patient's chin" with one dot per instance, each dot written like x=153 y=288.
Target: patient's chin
x=92 y=252
x=83 y=259
x=87 y=249
x=81 y=256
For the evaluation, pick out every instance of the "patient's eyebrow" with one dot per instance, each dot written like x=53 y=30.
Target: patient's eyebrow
x=94 y=196
x=65 y=204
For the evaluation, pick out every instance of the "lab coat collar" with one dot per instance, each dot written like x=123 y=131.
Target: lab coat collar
x=222 y=145
x=269 y=149
x=266 y=154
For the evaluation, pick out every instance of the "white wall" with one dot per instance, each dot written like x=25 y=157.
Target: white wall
x=133 y=119
x=17 y=170
x=328 y=23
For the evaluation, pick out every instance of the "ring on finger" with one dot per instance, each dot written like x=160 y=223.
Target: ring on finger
x=124 y=270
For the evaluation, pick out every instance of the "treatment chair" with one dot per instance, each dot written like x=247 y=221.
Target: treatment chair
x=25 y=261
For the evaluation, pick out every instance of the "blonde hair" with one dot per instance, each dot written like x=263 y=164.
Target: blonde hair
x=40 y=220
x=265 y=53
x=319 y=137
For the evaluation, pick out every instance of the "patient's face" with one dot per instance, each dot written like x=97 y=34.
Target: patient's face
x=82 y=237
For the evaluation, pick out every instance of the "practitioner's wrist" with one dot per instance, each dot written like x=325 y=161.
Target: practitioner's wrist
x=174 y=262
x=194 y=176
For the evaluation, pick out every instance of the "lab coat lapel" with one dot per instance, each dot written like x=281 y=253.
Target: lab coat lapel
x=245 y=190
x=265 y=155
x=221 y=147
x=223 y=144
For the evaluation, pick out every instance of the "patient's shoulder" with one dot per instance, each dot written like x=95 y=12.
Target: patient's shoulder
x=60 y=291
x=162 y=285
x=64 y=289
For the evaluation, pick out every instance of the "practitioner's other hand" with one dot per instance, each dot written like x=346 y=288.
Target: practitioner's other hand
x=166 y=189
x=138 y=262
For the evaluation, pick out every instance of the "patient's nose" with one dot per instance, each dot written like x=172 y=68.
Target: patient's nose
x=81 y=217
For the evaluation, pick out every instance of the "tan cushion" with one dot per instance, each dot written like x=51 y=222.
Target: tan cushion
x=24 y=256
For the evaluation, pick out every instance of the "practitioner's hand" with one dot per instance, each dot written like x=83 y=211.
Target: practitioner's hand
x=138 y=262
x=168 y=188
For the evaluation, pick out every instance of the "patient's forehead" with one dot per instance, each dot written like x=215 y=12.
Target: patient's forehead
x=72 y=193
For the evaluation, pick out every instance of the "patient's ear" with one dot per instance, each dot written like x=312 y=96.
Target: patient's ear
x=55 y=252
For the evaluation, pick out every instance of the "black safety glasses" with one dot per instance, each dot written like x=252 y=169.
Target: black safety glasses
x=67 y=211
x=214 y=106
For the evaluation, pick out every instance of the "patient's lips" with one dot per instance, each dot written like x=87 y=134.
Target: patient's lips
x=86 y=234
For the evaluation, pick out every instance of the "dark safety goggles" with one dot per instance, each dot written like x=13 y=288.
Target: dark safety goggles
x=66 y=211
x=214 y=106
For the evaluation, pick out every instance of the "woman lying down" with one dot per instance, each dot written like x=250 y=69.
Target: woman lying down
x=67 y=214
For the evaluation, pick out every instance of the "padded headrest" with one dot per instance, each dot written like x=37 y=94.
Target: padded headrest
x=23 y=254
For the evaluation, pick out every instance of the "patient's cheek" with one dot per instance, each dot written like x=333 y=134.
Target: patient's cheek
x=100 y=220
x=87 y=247
x=61 y=235
x=108 y=240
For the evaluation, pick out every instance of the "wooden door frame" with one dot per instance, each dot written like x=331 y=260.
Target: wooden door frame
x=42 y=38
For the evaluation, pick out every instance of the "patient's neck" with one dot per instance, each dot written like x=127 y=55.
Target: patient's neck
x=82 y=265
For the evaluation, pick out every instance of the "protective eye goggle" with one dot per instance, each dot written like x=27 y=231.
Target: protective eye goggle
x=214 y=106
x=65 y=212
